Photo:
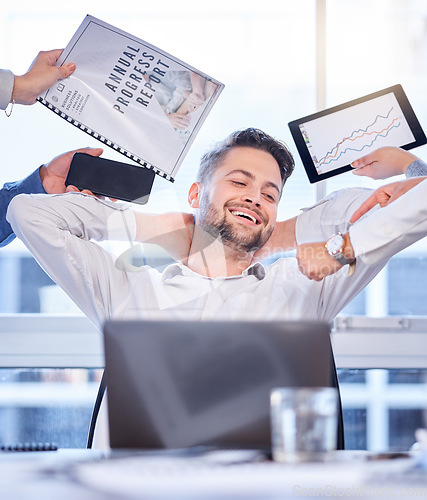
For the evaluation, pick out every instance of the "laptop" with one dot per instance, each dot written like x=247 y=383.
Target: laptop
x=179 y=384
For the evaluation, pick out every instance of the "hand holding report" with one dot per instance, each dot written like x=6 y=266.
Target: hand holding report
x=130 y=95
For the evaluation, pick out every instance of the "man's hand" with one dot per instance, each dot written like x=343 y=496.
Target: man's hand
x=383 y=163
x=41 y=75
x=386 y=195
x=315 y=262
x=54 y=173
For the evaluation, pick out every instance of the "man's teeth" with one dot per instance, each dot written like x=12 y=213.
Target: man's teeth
x=247 y=216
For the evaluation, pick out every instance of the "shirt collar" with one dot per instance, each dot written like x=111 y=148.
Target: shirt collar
x=179 y=269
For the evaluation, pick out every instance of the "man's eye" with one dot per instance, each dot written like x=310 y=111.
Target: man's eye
x=238 y=183
x=269 y=197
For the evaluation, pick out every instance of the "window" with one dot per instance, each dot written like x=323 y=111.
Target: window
x=266 y=56
x=382 y=408
x=241 y=46
x=47 y=405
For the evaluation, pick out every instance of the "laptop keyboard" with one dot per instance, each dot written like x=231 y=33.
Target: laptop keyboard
x=29 y=447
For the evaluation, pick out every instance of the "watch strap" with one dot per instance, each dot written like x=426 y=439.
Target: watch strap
x=342 y=259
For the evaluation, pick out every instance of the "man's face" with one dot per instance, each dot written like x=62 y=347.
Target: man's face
x=239 y=202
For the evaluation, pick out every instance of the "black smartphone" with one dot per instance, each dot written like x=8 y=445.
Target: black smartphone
x=111 y=178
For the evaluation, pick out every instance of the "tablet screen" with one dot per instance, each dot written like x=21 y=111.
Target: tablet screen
x=328 y=141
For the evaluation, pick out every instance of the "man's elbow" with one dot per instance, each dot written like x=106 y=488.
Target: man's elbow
x=19 y=212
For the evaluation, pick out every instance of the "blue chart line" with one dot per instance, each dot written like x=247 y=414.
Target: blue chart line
x=362 y=131
x=363 y=147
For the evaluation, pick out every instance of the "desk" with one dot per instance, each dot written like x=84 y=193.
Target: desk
x=87 y=475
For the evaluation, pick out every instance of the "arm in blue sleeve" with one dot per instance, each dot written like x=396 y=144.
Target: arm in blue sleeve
x=31 y=184
x=417 y=168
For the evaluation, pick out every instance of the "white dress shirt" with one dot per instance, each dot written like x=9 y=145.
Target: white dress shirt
x=60 y=231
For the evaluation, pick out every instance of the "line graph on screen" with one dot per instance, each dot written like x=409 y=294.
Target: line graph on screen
x=340 y=138
x=356 y=141
x=330 y=140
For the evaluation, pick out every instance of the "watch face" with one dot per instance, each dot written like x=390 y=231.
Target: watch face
x=335 y=243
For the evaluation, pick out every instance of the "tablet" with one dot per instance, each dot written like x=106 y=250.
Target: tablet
x=328 y=141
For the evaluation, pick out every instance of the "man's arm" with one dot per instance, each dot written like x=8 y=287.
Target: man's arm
x=330 y=215
x=315 y=223
x=173 y=232
x=282 y=239
x=60 y=231
x=31 y=184
x=377 y=237
x=49 y=178
x=316 y=263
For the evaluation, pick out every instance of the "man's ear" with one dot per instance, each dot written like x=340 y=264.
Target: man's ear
x=194 y=194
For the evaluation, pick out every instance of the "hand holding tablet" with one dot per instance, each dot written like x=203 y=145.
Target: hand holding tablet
x=330 y=140
x=383 y=163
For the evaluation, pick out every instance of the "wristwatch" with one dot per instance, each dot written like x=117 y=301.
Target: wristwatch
x=335 y=247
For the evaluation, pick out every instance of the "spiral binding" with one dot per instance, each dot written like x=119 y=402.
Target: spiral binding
x=105 y=140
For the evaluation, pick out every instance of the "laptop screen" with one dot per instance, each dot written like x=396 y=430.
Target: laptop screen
x=179 y=384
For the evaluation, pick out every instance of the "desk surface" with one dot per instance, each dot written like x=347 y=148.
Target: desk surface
x=94 y=475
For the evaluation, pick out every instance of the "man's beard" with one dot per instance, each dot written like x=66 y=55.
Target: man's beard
x=216 y=225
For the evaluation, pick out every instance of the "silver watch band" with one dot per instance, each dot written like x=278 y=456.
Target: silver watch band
x=342 y=259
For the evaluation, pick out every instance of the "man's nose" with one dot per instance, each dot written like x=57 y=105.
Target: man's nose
x=253 y=196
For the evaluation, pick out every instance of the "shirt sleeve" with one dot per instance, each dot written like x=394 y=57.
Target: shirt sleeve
x=417 y=168
x=58 y=230
x=7 y=80
x=377 y=236
x=31 y=184
x=390 y=229
x=318 y=223
x=330 y=215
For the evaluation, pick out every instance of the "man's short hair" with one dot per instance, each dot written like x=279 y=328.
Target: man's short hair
x=252 y=138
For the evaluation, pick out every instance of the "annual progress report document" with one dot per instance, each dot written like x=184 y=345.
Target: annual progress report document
x=132 y=96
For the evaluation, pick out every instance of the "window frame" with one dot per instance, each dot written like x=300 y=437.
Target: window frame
x=45 y=341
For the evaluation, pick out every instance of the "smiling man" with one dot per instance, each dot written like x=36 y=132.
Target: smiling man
x=217 y=274
x=236 y=206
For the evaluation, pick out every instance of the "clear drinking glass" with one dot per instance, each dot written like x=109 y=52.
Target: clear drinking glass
x=303 y=423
